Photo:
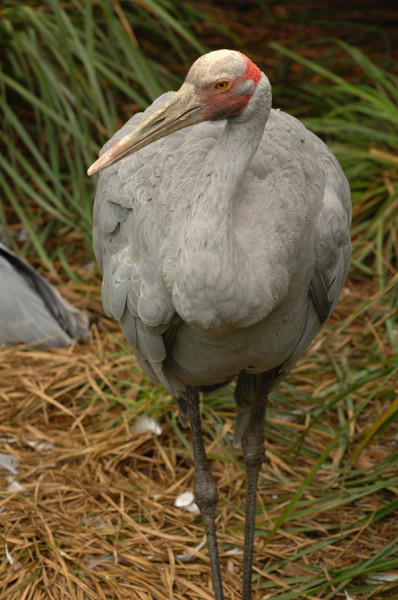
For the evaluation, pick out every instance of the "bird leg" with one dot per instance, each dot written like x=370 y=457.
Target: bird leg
x=183 y=411
x=205 y=488
x=253 y=455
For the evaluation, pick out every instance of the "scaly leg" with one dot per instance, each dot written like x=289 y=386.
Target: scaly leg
x=253 y=454
x=205 y=488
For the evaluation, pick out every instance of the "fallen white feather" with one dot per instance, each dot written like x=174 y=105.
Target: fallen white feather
x=234 y=551
x=184 y=500
x=39 y=445
x=145 y=423
x=187 y=500
x=382 y=578
x=9 y=463
x=11 y=560
x=189 y=554
x=13 y=485
x=193 y=508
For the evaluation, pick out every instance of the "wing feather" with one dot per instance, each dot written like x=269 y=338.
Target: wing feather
x=32 y=311
x=127 y=237
x=332 y=249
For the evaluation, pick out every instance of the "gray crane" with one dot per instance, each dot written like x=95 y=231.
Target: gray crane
x=222 y=230
x=32 y=311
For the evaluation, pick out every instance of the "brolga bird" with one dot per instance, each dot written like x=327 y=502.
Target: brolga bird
x=222 y=230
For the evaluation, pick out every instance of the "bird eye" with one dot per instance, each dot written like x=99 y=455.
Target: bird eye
x=221 y=85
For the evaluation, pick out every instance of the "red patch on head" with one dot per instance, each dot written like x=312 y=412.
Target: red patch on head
x=226 y=105
x=252 y=71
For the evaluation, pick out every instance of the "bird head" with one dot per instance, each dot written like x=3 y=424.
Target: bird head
x=219 y=85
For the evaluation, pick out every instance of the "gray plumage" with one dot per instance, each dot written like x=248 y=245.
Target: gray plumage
x=32 y=311
x=251 y=313
x=224 y=248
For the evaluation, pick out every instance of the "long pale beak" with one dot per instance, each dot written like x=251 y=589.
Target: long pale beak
x=182 y=110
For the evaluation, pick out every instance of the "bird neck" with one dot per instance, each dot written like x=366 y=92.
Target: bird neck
x=210 y=208
x=210 y=257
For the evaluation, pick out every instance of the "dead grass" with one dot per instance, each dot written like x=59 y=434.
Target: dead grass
x=87 y=510
x=92 y=513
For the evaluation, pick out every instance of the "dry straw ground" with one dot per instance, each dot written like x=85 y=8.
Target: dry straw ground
x=87 y=509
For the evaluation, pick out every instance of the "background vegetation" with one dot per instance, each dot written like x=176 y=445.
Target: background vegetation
x=71 y=73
